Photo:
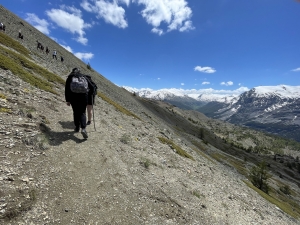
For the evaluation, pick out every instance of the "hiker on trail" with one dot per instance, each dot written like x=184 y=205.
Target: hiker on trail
x=47 y=50
x=61 y=59
x=54 y=54
x=2 y=27
x=20 y=34
x=76 y=93
x=91 y=99
x=38 y=45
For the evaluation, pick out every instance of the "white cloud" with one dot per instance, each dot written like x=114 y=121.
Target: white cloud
x=127 y=2
x=158 y=78
x=175 y=13
x=67 y=48
x=70 y=19
x=157 y=31
x=205 y=83
x=84 y=56
x=111 y=12
x=205 y=69
x=182 y=84
x=80 y=55
x=296 y=70
x=40 y=24
x=229 y=83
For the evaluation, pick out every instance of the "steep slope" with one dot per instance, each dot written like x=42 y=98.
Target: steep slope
x=135 y=168
x=272 y=109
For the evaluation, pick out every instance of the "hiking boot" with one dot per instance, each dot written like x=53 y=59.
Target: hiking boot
x=88 y=123
x=76 y=129
x=84 y=133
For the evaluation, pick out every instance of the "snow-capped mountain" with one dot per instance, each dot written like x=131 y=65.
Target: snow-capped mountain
x=275 y=109
x=203 y=96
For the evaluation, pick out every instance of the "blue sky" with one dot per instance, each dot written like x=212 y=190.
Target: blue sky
x=231 y=45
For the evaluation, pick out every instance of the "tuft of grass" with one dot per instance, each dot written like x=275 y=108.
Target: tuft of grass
x=11 y=43
x=125 y=139
x=145 y=163
x=117 y=106
x=5 y=110
x=291 y=209
x=2 y=96
x=178 y=149
x=197 y=194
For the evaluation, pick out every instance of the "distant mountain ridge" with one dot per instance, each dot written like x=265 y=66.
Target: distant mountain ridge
x=275 y=109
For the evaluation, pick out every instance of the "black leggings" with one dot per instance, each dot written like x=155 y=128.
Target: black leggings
x=79 y=114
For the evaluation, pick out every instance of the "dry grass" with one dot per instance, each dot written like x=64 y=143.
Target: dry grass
x=177 y=149
x=117 y=106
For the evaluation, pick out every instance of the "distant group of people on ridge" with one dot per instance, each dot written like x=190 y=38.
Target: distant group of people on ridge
x=54 y=54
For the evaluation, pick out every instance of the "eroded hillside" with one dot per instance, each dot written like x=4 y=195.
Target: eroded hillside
x=143 y=164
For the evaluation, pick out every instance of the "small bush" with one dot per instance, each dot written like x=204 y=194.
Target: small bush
x=145 y=163
x=259 y=177
x=286 y=189
x=125 y=139
x=197 y=194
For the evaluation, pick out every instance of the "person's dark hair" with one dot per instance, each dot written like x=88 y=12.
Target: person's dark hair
x=75 y=70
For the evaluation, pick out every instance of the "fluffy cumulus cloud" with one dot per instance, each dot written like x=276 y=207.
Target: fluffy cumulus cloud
x=69 y=18
x=84 y=56
x=80 y=55
x=174 y=13
x=111 y=12
x=40 y=24
x=229 y=83
x=67 y=48
x=296 y=70
x=205 y=69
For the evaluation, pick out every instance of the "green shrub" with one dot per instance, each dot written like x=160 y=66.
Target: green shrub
x=286 y=189
x=125 y=139
x=259 y=176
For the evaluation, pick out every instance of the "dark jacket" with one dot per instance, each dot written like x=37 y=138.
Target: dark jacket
x=75 y=97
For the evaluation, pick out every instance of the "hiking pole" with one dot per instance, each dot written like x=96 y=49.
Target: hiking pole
x=93 y=112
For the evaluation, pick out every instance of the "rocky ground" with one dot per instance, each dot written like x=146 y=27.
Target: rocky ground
x=122 y=174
